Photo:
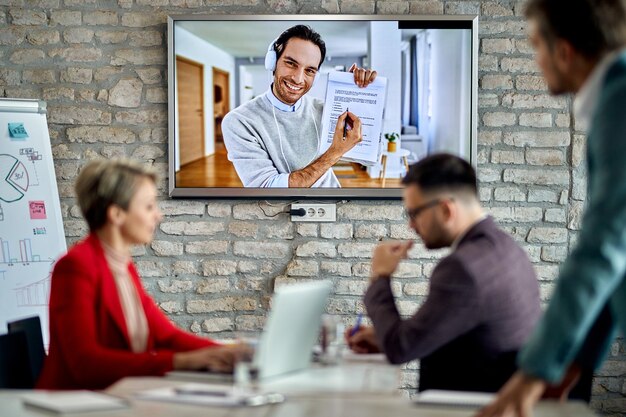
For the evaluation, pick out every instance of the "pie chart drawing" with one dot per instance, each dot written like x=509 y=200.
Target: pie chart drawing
x=13 y=178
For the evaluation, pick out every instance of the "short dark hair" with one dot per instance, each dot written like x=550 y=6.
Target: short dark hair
x=442 y=172
x=303 y=32
x=593 y=27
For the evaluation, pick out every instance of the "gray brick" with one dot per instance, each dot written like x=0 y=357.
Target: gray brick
x=507 y=157
x=516 y=214
x=141 y=117
x=145 y=38
x=218 y=324
x=76 y=54
x=497 y=46
x=307 y=229
x=27 y=56
x=279 y=231
x=77 y=75
x=175 y=286
x=28 y=17
x=509 y=194
x=314 y=249
x=95 y=134
x=185 y=268
x=371 y=231
x=499 y=119
x=65 y=18
x=166 y=248
x=181 y=207
x=78 y=35
x=138 y=57
x=219 y=268
x=545 y=157
x=496 y=82
x=213 y=286
x=393 y=7
x=207 y=248
x=249 y=323
x=355 y=250
x=553 y=253
x=171 y=307
x=426 y=7
x=555 y=215
x=336 y=230
x=39 y=76
x=358 y=6
x=39 y=37
x=149 y=75
x=535 y=120
x=547 y=235
x=575 y=214
x=141 y=20
x=243 y=229
x=261 y=249
x=126 y=93
x=543 y=177
x=548 y=196
x=108 y=37
x=533 y=101
x=353 y=212
x=156 y=95
x=301 y=268
x=100 y=18
x=342 y=269
x=78 y=115
x=201 y=228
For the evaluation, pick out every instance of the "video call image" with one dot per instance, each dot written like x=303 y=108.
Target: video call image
x=420 y=102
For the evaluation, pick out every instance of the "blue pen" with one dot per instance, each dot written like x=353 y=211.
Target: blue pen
x=357 y=325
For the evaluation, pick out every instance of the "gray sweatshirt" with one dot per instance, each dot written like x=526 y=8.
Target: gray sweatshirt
x=265 y=144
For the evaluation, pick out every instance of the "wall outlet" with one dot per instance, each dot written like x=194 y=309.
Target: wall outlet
x=315 y=212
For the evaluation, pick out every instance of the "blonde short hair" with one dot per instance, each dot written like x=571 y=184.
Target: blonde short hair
x=103 y=183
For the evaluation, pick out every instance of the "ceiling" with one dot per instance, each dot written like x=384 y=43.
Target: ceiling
x=249 y=39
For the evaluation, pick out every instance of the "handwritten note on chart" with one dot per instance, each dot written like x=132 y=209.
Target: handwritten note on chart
x=367 y=103
x=37 y=210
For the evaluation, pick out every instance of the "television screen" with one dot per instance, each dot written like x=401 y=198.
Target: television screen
x=270 y=107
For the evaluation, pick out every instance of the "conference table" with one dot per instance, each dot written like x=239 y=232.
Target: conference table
x=345 y=390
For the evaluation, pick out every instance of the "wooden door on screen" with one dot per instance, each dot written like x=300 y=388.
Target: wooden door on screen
x=221 y=101
x=189 y=80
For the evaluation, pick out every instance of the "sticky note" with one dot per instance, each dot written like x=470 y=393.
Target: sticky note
x=17 y=131
x=37 y=209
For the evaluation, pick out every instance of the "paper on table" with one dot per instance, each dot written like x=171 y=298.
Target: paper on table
x=350 y=356
x=454 y=398
x=366 y=103
x=213 y=395
x=73 y=401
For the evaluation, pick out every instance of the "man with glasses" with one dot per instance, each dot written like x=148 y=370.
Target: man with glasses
x=483 y=300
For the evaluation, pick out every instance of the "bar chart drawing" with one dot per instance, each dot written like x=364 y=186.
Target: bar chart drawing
x=26 y=255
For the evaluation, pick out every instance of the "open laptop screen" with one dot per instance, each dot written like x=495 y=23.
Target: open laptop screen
x=292 y=328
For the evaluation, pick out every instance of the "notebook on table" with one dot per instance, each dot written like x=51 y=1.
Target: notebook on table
x=67 y=402
x=454 y=398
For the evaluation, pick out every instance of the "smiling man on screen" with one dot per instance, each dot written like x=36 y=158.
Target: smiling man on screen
x=274 y=139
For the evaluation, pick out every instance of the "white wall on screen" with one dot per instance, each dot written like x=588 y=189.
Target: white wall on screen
x=449 y=74
x=195 y=49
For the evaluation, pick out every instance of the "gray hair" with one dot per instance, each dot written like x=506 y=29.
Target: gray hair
x=103 y=183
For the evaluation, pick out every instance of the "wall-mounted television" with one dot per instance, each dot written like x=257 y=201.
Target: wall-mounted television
x=239 y=130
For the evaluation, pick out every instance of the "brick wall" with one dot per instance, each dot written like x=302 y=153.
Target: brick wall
x=101 y=66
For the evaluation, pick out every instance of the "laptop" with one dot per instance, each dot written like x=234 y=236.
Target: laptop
x=291 y=330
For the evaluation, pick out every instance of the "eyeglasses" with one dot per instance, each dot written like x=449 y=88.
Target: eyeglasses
x=413 y=213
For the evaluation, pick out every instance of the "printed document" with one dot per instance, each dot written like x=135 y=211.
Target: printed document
x=366 y=103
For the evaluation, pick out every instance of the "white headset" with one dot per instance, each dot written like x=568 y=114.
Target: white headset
x=270 y=57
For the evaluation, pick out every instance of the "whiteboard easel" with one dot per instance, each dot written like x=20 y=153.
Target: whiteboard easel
x=31 y=225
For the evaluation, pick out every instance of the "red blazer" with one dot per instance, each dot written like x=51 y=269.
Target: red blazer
x=89 y=345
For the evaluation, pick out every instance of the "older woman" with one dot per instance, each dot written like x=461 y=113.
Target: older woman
x=103 y=325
